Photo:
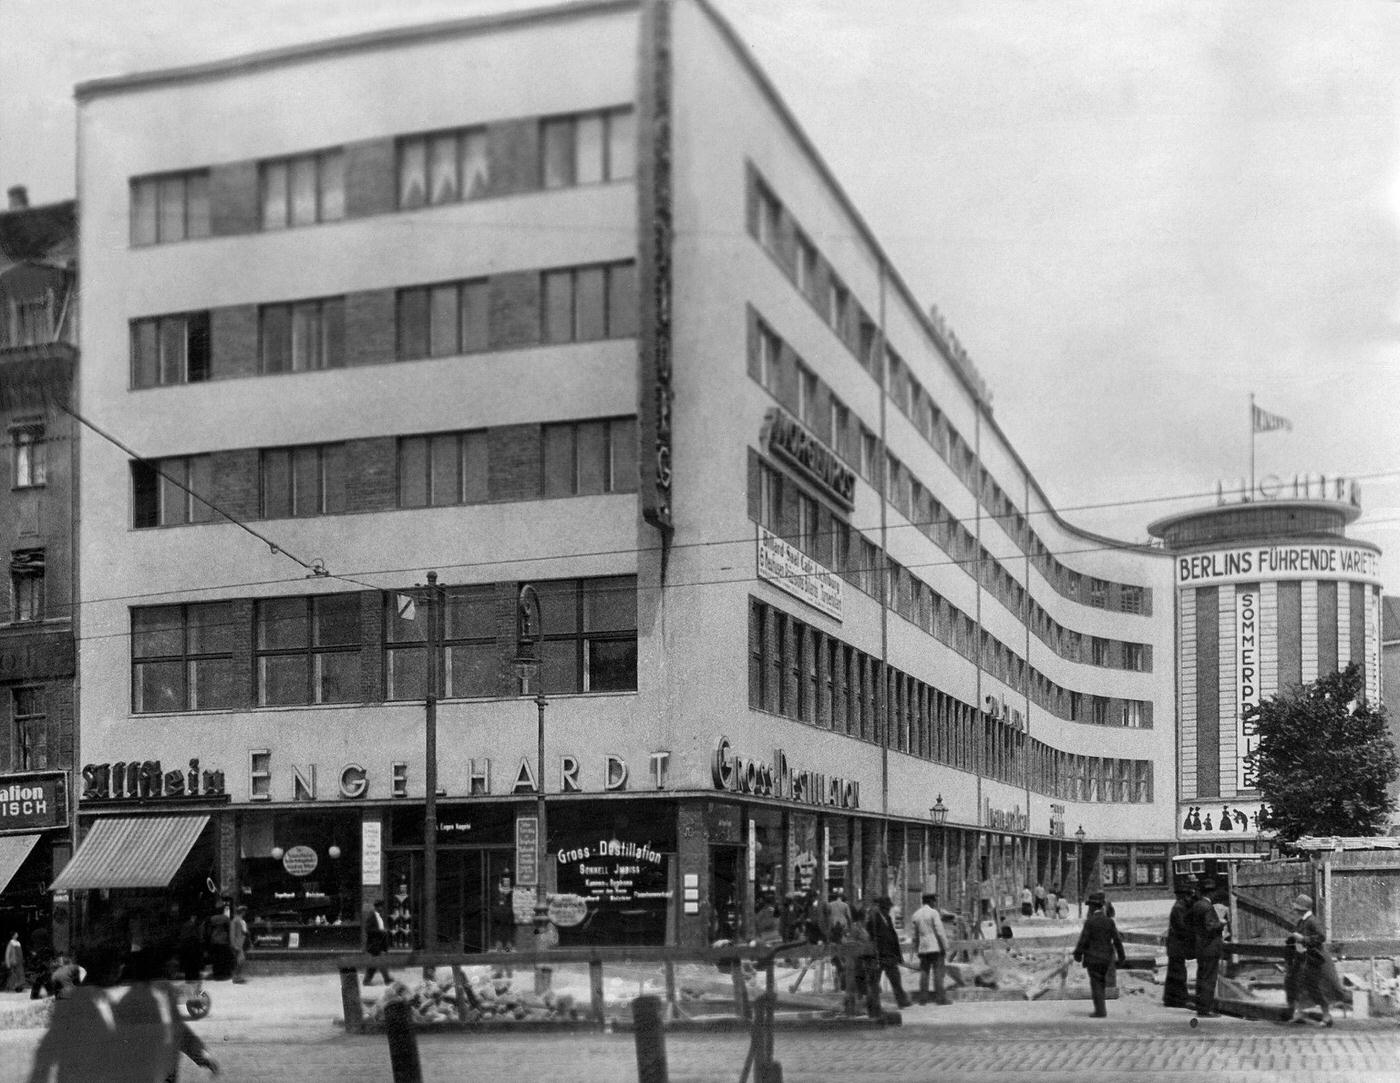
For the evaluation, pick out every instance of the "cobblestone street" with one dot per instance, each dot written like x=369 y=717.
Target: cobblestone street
x=285 y=1028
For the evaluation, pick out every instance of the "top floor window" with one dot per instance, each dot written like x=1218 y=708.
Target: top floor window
x=302 y=190
x=170 y=207
x=443 y=168
x=27 y=453
x=588 y=148
x=768 y=217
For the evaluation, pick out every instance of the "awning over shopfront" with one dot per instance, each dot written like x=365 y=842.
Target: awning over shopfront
x=13 y=850
x=131 y=851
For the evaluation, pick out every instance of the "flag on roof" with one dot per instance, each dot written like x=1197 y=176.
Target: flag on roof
x=1267 y=422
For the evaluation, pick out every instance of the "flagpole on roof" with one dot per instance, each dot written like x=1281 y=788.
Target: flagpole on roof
x=1251 y=445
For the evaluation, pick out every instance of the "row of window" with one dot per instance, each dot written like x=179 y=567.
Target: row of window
x=785 y=509
x=571 y=304
x=570 y=458
x=799 y=672
x=328 y=648
x=430 y=169
x=773 y=226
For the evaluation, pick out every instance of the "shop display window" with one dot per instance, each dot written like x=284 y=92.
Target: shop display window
x=300 y=875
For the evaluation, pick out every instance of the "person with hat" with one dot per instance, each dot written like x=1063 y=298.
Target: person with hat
x=1209 y=934
x=1181 y=945
x=1099 y=945
x=931 y=945
x=1310 y=975
x=888 y=955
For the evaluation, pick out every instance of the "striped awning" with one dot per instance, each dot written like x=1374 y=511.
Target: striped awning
x=13 y=850
x=131 y=851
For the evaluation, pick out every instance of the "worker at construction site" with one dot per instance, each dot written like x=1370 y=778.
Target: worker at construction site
x=1099 y=945
x=931 y=946
x=1208 y=931
x=1181 y=945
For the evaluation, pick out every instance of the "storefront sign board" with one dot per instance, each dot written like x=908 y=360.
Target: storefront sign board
x=300 y=860
x=371 y=846
x=794 y=572
x=33 y=801
x=527 y=835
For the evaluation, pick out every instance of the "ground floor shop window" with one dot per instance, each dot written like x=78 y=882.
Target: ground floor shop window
x=619 y=859
x=300 y=874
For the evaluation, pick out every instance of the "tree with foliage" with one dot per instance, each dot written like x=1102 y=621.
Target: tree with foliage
x=1324 y=760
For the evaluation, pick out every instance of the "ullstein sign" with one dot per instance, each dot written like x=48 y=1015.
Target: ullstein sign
x=33 y=802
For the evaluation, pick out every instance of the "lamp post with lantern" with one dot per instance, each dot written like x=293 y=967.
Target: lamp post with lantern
x=1079 y=868
x=938 y=812
x=529 y=666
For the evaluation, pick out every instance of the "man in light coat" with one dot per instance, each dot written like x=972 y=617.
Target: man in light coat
x=931 y=945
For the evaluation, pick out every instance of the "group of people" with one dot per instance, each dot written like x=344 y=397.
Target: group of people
x=1038 y=901
x=220 y=941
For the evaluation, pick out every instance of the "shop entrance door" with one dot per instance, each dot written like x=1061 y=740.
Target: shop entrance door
x=726 y=864
x=474 y=900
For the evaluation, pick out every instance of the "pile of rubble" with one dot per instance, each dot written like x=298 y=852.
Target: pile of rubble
x=481 y=997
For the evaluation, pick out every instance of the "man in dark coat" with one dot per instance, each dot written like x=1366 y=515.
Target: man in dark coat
x=1099 y=946
x=887 y=951
x=1181 y=945
x=1209 y=933
x=376 y=940
x=1310 y=976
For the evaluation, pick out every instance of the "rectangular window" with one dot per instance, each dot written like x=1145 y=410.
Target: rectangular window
x=807 y=524
x=840 y=429
x=470 y=663
x=589 y=635
x=170 y=350
x=586 y=457
x=1098 y=593
x=1134 y=656
x=302 y=481
x=442 y=320
x=807 y=396
x=303 y=336
x=28 y=463
x=806 y=271
x=308 y=650
x=301 y=190
x=1130 y=598
x=768 y=352
x=27 y=584
x=768 y=218
x=443 y=469
x=182 y=657
x=587 y=148
x=582 y=304
x=173 y=207
x=163 y=491
x=1098 y=651
x=29 y=729
x=869 y=454
x=443 y=168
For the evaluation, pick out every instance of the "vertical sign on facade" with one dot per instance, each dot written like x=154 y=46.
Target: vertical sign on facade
x=527 y=835
x=370 y=851
x=654 y=265
x=1247 y=682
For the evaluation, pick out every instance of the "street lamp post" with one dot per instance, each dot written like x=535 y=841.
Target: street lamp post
x=1079 y=869
x=939 y=813
x=529 y=665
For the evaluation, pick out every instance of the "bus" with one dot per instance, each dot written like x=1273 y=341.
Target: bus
x=1192 y=869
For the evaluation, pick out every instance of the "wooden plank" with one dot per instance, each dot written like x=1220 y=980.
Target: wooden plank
x=595 y=989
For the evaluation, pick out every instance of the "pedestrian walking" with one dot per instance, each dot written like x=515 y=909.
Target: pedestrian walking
x=931 y=946
x=838 y=927
x=888 y=955
x=376 y=941
x=1052 y=902
x=1027 y=901
x=1039 y=894
x=218 y=937
x=1181 y=945
x=1311 y=976
x=238 y=941
x=1099 y=946
x=1207 y=931
x=865 y=981
x=14 y=965
x=131 y=1034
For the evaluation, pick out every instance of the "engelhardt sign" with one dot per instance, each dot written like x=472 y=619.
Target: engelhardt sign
x=1300 y=561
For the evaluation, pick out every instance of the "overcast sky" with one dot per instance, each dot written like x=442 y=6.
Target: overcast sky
x=1132 y=214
